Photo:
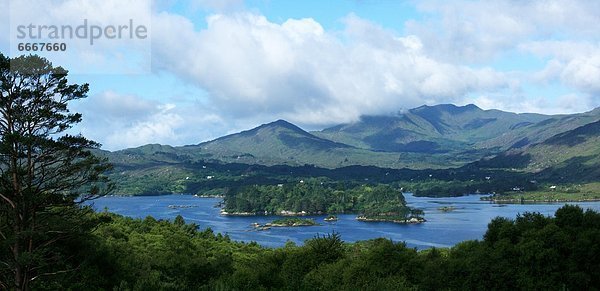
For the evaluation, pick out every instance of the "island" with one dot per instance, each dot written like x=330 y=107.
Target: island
x=391 y=218
x=285 y=222
x=331 y=218
x=293 y=222
x=181 y=206
x=447 y=208
x=379 y=202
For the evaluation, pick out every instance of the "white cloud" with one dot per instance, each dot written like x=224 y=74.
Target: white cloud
x=562 y=33
x=120 y=121
x=575 y=64
x=563 y=104
x=110 y=105
x=255 y=70
x=158 y=126
x=583 y=73
x=573 y=103
x=477 y=31
x=252 y=66
x=561 y=50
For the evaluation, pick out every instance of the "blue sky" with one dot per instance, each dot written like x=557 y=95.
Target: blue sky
x=213 y=67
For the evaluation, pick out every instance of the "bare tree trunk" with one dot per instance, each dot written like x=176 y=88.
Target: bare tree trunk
x=17 y=255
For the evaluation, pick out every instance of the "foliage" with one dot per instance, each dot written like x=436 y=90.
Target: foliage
x=293 y=221
x=552 y=193
x=531 y=252
x=314 y=196
x=44 y=172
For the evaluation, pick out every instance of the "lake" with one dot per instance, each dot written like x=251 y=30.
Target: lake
x=443 y=229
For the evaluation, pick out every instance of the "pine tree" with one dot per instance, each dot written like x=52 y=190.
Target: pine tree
x=45 y=173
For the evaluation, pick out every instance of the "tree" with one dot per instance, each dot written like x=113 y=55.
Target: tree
x=45 y=173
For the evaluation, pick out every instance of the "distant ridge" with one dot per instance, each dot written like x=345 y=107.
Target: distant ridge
x=571 y=156
x=440 y=136
x=277 y=131
x=430 y=129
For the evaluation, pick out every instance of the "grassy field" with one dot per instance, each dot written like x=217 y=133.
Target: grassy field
x=562 y=193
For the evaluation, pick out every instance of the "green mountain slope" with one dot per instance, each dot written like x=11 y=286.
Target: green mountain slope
x=571 y=156
x=564 y=152
x=279 y=139
x=281 y=142
x=429 y=129
x=443 y=136
x=538 y=132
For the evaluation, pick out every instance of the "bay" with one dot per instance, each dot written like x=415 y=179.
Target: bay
x=468 y=220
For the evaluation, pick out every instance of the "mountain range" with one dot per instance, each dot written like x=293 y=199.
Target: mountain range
x=439 y=136
x=428 y=137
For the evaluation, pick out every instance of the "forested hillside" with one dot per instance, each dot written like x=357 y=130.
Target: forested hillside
x=530 y=252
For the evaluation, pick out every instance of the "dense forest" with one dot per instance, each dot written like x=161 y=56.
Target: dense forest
x=216 y=178
x=531 y=252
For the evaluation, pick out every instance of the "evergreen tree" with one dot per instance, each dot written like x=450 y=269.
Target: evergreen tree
x=45 y=173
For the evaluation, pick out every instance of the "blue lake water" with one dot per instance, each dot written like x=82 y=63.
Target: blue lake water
x=443 y=229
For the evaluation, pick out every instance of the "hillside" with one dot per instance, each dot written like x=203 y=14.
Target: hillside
x=557 y=149
x=538 y=132
x=281 y=142
x=430 y=129
x=572 y=156
x=438 y=136
x=442 y=136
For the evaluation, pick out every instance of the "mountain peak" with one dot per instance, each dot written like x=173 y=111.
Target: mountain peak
x=282 y=124
x=472 y=107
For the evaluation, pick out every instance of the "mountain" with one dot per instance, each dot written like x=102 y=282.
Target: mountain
x=571 y=156
x=534 y=133
x=280 y=139
x=469 y=141
x=271 y=143
x=441 y=136
x=429 y=129
x=281 y=142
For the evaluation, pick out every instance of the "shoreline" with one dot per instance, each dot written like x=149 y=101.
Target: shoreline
x=283 y=213
x=362 y=218
x=163 y=194
x=539 y=201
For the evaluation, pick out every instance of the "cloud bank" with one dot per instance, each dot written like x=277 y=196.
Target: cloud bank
x=297 y=70
x=523 y=56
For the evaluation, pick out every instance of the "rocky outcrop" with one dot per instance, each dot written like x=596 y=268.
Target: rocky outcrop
x=225 y=213
x=412 y=220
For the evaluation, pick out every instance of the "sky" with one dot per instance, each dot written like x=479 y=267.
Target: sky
x=213 y=67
